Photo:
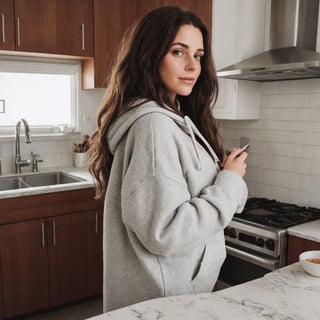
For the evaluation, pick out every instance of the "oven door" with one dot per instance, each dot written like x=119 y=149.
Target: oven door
x=241 y=266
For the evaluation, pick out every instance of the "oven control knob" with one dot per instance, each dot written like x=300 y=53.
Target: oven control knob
x=260 y=242
x=270 y=244
x=226 y=231
x=232 y=233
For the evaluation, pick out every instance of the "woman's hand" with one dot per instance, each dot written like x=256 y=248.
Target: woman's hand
x=235 y=161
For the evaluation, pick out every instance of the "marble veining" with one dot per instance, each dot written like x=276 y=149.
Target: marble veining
x=285 y=294
x=309 y=231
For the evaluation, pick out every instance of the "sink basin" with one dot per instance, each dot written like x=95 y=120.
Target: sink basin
x=37 y=180
x=12 y=184
x=49 y=179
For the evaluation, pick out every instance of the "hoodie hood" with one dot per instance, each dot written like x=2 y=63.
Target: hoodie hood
x=293 y=38
x=143 y=107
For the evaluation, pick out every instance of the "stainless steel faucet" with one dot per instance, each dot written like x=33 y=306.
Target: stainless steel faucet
x=27 y=133
x=35 y=162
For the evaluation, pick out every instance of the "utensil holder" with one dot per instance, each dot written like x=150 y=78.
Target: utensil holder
x=80 y=159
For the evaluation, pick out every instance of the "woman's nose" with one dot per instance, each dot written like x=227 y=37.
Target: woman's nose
x=191 y=63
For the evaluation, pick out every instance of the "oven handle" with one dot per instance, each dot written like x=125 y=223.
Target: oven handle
x=260 y=261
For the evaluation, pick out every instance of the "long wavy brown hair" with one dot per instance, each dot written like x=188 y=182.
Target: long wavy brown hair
x=136 y=75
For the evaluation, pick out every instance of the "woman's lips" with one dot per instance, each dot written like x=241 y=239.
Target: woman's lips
x=187 y=80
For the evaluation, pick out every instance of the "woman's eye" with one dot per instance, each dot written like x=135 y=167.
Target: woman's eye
x=198 y=56
x=177 y=52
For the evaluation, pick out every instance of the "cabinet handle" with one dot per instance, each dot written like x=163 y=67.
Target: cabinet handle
x=42 y=234
x=54 y=232
x=82 y=37
x=96 y=222
x=3 y=29
x=18 y=31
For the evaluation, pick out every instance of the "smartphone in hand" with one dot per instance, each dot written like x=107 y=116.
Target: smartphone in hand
x=244 y=148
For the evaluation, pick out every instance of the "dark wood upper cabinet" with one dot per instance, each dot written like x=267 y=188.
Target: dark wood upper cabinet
x=7 y=25
x=111 y=20
x=54 y=26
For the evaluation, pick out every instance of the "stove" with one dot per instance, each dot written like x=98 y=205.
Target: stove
x=256 y=239
x=276 y=214
x=262 y=225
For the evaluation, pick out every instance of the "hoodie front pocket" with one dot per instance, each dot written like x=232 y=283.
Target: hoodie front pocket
x=209 y=268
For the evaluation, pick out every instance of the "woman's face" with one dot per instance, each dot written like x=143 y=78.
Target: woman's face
x=180 y=67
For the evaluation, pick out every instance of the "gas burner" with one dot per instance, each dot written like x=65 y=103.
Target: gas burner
x=276 y=214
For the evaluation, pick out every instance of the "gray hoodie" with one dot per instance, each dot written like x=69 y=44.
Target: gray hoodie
x=166 y=206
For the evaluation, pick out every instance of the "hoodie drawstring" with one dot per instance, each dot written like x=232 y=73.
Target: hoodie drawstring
x=193 y=129
x=189 y=124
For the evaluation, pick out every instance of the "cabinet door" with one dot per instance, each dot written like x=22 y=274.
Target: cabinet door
x=55 y=26
x=75 y=256
x=75 y=27
x=298 y=245
x=112 y=18
x=7 y=25
x=24 y=267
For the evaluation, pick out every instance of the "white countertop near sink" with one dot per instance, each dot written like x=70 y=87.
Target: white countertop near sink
x=309 y=231
x=285 y=294
x=81 y=173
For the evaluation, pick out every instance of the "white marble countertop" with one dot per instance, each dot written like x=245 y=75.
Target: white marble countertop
x=81 y=173
x=309 y=231
x=285 y=294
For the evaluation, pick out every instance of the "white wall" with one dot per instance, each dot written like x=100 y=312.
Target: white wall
x=284 y=157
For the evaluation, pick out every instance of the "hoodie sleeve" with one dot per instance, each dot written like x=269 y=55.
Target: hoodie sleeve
x=157 y=205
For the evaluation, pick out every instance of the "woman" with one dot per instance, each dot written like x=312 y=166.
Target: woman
x=156 y=156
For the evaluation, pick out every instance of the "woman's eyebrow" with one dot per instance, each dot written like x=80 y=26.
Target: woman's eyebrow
x=185 y=46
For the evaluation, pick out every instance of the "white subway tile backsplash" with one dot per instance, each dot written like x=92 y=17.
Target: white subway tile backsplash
x=289 y=180
x=303 y=137
x=276 y=136
x=268 y=113
x=284 y=158
x=307 y=85
x=302 y=166
x=272 y=177
x=297 y=100
x=278 y=100
x=263 y=190
x=314 y=100
x=287 y=114
x=298 y=197
x=281 y=163
x=264 y=161
x=311 y=152
x=308 y=114
x=315 y=168
x=282 y=194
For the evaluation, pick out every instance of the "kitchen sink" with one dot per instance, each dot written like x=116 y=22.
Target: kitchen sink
x=37 y=180
x=12 y=184
x=49 y=179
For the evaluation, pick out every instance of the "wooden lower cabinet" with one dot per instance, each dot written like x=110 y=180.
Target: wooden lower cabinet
x=24 y=268
x=74 y=254
x=298 y=245
x=50 y=261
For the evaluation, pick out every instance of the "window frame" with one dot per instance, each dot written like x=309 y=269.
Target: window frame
x=48 y=66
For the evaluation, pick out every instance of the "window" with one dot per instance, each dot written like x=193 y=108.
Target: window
x=46 y=94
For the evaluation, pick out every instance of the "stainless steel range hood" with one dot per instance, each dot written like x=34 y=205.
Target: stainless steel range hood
x=293 y=37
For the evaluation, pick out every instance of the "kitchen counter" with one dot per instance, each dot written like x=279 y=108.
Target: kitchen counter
x=287 y=293
x=81 y=173
x=309 y=231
